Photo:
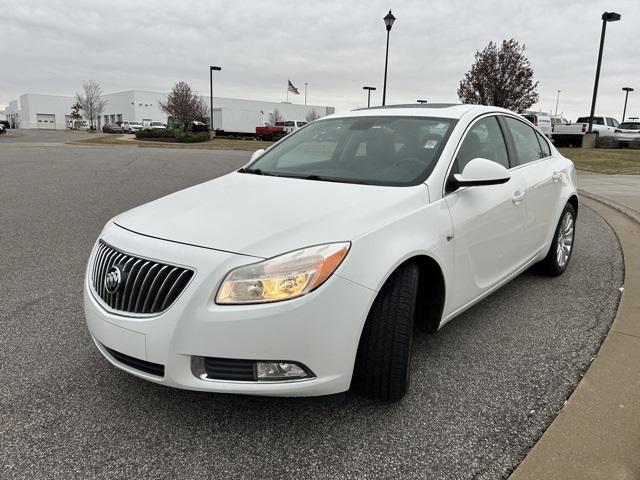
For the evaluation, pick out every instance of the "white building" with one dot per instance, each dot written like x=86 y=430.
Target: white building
x=53 y=111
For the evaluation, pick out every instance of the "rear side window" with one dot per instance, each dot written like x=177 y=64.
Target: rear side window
x=524 y=140
x=484 y=140
x=596 y=120
x=544 y=146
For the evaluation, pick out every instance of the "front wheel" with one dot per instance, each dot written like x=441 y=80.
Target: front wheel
x=381 y=370
x=561 y=248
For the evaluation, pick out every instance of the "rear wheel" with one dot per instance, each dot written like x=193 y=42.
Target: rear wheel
x=382 y=363
x=561 y=248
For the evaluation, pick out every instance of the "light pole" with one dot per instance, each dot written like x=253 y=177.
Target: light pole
x=422 y=101
x=211 y=69
x=388 y=22
x=626 y=97
x=368 y=94
x=557 y=101
x=606 y=17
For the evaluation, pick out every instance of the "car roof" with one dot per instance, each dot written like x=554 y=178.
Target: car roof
x=439 y=110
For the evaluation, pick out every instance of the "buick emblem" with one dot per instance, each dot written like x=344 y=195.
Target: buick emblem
x=113 y=280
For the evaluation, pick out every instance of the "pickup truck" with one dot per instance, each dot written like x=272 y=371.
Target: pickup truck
x=270 y=133
x=572 y=133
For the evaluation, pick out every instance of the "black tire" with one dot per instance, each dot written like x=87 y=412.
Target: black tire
x=382 y=363
x=551 y=265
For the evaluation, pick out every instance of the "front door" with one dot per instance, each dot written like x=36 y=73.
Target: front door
x=487 y=221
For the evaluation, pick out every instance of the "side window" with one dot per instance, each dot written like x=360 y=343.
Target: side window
x=484 y=140
x=609 y=122
x=544 y=146
x=614 y=122
x=525 y=141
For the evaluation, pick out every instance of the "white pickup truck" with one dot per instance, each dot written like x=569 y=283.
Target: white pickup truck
x=571 y=134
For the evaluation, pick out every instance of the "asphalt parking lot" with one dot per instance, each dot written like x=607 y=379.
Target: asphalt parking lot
x=484 y=388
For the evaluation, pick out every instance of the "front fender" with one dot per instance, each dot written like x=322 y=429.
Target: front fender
x=425 y=231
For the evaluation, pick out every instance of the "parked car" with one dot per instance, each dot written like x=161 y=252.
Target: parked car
x=291 y=125
x=543 y=122
x=627 y=132
x=6 y=124
x=2 y=129
x=305 y=272
x=270 y=132
x=156 y=126
x=130 y=127
x=196 y=126
x=571 y=134
x=111 y=128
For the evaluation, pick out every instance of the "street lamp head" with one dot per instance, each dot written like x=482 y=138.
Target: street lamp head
x=422 y=101
x=611 y=16
x=217 y=69
x=388 y=20
x=368 y=88
x=627 y=89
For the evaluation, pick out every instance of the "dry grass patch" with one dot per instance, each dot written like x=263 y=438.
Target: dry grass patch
x=602 y=160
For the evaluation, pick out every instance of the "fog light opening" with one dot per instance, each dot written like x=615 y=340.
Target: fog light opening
x=272 y=371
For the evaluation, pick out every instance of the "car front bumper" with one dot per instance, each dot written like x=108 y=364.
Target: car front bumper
x=320 y=330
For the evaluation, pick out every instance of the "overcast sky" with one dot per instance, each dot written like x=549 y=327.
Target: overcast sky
x=336 y=46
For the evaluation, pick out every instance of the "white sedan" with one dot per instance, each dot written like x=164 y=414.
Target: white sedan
x=307 y=271
x=627 y=133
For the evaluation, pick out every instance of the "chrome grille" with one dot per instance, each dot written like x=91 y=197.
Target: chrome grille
x=146 y=287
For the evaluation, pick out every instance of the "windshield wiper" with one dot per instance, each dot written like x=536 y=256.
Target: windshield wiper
x=255 y=171
x=321 y=178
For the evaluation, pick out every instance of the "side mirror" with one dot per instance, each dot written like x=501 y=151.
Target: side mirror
x=481 y=171
x=256 y=154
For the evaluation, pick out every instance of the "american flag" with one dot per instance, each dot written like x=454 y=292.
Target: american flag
x=293 y=89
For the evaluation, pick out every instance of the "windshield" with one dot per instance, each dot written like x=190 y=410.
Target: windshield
x=380 y=150
x=630 y=126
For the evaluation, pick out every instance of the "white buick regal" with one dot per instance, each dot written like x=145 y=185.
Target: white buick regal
x=307 y=271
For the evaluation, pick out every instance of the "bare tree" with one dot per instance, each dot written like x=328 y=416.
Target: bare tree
x=312 y=115
x=184 y=105
x=275 y=117
x=502 y=77
x=91 y=102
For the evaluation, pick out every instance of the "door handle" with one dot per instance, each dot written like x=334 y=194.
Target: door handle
x=556 y=176
x=517 y=197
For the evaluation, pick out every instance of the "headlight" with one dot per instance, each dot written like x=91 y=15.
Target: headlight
x=284 y=277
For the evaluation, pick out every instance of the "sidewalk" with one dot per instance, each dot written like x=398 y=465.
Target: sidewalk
x=597 y=433
x=621 y=191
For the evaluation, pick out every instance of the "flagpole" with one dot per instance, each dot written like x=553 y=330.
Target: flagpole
x=305 y=93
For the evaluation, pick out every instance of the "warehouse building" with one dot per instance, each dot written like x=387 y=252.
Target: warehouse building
x=54 y=111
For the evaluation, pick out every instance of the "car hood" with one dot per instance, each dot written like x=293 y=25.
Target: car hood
x=264 y=216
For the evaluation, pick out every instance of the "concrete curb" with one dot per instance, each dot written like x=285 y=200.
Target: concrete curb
x=633 y=214
x=597 y=433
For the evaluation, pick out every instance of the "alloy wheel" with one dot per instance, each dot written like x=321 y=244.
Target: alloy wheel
x=565 y=240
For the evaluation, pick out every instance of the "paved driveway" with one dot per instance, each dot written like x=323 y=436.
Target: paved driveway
x=484 y=387
x=27 y=137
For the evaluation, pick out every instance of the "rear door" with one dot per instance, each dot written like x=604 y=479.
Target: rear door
x=536 y=166
x=488 y=221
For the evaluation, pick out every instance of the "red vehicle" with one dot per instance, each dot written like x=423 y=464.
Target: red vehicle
x=270 y=133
